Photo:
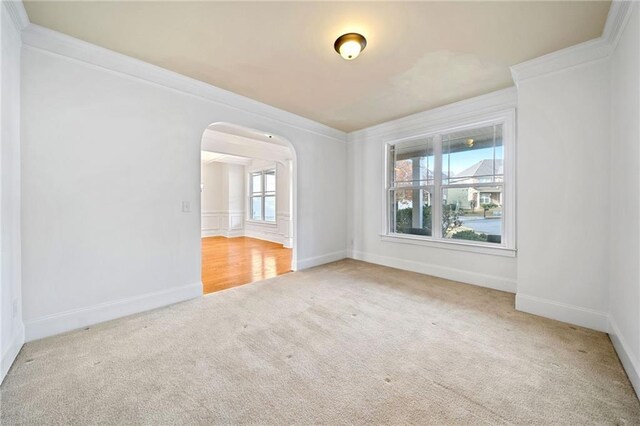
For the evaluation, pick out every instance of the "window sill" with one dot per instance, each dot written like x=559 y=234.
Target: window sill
x=448 y=245
x=262 y=223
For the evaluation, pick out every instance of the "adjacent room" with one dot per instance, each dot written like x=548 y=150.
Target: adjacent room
x=221 y=212
x=246 y=204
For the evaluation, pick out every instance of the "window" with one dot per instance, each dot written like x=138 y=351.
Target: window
x=464 y=168
x=262 y=195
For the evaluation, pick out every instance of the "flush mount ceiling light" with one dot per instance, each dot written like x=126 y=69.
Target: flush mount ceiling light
x=350 y=45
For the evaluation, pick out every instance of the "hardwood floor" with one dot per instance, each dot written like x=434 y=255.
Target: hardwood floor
x=230 y=262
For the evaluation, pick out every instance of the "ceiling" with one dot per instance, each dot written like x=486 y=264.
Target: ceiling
x=207 y=157
x=420 y=55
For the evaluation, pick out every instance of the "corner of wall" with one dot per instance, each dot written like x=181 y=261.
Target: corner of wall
x=12 y=331
x=626 y=355
x=11 y=353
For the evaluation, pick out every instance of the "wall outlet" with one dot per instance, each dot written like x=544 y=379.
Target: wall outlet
x=186 y=207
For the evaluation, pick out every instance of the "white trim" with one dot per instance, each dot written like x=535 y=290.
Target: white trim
x=234 y=233
x=9 y=355
x=310 y=262
x=579 y=54
x=39 y=37
x=627 y=358
x=449 y=245
x=441 y=117
x=454 y=274
x=273 y=237
x=619 y=13
x=61 y=322
x=263 y=223
x=583 y=317
x=17 y=12
x=505 y=117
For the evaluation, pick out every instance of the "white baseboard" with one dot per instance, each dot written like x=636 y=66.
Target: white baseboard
x=482 y=280
x=630 y=362
x=577 y=315
x=310 y=262
x=70 y=320
x=218 y=233
x=11 y=353
x=265 y=236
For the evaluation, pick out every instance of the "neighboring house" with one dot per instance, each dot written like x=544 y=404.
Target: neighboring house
x=472 y=197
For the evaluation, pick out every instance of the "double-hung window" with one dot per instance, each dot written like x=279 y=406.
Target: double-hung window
x=262 y=195
x=454 y=185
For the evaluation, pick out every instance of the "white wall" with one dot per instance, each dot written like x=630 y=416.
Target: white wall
x=366 y=201
x=108 y=159
x=563 y=188
x=624 y=196
x=222 y=200
x=212 y=176
x=11 y=327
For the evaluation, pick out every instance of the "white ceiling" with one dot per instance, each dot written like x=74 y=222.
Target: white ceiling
x=207 y=157
x=419 y=55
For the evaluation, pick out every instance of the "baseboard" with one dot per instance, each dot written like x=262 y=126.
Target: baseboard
x=310 y=262
x=11 y=353
x=577 y=315
x=234 y=233
x=209 y=233
x=265 y=236
x=630 y=363
x=70 y=320
x=482 y=280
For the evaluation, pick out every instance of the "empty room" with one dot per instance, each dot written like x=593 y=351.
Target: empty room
x=319 y=212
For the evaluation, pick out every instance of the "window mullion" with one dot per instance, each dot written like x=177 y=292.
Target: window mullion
x=436 y=202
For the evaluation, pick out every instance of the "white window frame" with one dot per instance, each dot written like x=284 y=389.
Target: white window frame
x=263 y=194
x=507 y=247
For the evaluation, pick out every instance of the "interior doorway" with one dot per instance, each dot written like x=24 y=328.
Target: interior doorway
x=247 y=206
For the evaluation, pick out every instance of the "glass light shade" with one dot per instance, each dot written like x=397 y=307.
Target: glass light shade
x=350 y=45
x=350 y=50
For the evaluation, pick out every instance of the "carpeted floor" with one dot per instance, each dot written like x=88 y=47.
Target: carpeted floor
x=348 y=342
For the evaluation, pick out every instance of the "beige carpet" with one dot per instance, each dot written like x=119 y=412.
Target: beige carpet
x=348 y=342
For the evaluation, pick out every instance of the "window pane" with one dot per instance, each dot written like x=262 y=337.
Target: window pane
x=270 y=181
x=472 y=213
x=411 y=211
x=412 y=163
x=473 y=156
x=256 y=183
x=270 y=208
x=256 y=208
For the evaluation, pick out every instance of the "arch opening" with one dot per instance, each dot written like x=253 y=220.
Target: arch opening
x=248 y=190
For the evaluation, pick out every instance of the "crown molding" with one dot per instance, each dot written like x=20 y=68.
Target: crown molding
x=466 y=109
x=54 y=42
x=579 y=54
x=17 y=12
x=619 y=13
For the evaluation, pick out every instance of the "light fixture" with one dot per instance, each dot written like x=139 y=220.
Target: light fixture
x=350 y=45
x=470 y=142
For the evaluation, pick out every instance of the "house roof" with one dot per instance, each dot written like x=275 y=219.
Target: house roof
x=483 y=168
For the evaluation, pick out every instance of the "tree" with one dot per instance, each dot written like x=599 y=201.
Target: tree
x=487 y=207
x=450 y=218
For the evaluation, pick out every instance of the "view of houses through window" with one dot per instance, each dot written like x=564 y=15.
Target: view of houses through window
x=262 y=193
x=464 y=169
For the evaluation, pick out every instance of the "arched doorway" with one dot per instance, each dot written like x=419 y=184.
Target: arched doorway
x=256 y=229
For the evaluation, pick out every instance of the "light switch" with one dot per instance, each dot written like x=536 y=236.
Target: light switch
x=186 y=207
